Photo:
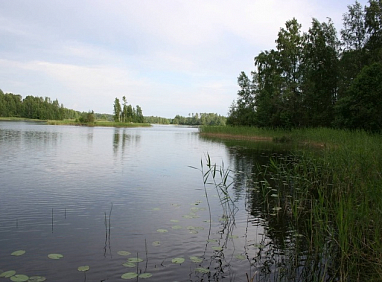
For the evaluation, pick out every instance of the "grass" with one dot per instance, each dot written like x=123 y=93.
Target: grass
x=103 y=123
x=20 y=119
x=339 y=196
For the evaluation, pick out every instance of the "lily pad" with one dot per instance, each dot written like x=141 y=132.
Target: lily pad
x=156 y=243
x=194 y=232
x=177 y=260
x=156 y=209
x=8 y=273
x=135 y=260
x=162 y=230
x=19 y=278
x=83 y=268
x=241 y=257
x=145 y=275
x=174 y=220
x=217 y=248
x=55 y=256
x=36 y=279
x=129 y=264
x=176 y=227
x=129 y=275
x=18 y=253
x=196 y=259
x=123 y=253
x=202 y=270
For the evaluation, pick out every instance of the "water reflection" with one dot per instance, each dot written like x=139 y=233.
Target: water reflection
x=124 y=139
x=283 y=246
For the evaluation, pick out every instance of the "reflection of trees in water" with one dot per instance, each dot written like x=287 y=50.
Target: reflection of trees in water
x=124 y=139
x=284 y=252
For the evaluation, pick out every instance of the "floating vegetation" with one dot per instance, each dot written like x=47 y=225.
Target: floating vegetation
x=145 y=275
x=162 y=230
x=156 y=209
x=83 y=268
x=217 y=248
x=177 y=260
x=123 y=253
x=18 y=253
x=174 y=220
x=135 y=260
x=176 y=227
x=196 y=259
x=202 y=270
x=7 y=274
x=19 y=278
x=156 y=243
x=36 y=279
x=55 y=256
x=129 y=275
x=241 y=257
x=129 y=264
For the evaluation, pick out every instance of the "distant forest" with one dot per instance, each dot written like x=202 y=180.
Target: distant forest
x=13 y=105
x=315 y=79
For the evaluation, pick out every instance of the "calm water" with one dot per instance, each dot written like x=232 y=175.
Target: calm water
x=88 y=193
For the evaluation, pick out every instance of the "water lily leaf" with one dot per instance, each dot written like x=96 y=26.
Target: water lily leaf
x=55 y=256
x=83 y=268
x=176 y=227
x=156 y=243
x=129 y=264
x=36 y=279
x=177 y=260
x=174 y=220
x=135 y=260
x=274 y=195
x=212 y=240
x=217 y=248
x=190 y=227
x=196 y=259
x=8 y=273
x=129 y=275
x=202 y=270
x=162 y=230
x=187 y=216
x=156 y=209
x=145 y=275
x=19 y=278
x=18 y=253
x=194 y=232
x=240 y=257
x=233 y=236
x=123 y=253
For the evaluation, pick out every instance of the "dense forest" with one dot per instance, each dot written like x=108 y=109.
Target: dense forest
x=315 y=79
x=13 y=105
x=126 y=112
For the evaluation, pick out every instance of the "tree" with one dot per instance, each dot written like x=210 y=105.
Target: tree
x=320 y=74
x=117 y=110
x=362 y=106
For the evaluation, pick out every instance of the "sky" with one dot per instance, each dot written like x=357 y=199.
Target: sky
x=170 y=57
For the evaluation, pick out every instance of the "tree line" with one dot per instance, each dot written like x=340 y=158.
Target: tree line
x=126 y=112
x=314 y=79
x=200 y=119
x=13 y=105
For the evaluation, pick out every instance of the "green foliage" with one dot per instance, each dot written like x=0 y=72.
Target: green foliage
x=200 y=119
x=127 y=113
x=308 y=81
x=13 y=105
x=362 y=106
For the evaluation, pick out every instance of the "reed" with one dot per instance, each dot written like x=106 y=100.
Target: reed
x=336 y=194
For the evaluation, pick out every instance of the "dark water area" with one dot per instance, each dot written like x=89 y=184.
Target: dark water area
x=89 y=193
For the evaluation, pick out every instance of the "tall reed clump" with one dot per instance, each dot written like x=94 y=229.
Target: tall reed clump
x=340 y=199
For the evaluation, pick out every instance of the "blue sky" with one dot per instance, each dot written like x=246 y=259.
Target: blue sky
x=168 y=56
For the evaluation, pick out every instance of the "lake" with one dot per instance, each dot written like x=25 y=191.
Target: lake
x=133 y=200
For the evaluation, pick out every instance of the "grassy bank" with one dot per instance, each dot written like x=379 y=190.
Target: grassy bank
x=20 y=119
x=97 y=123
x=340 y=194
